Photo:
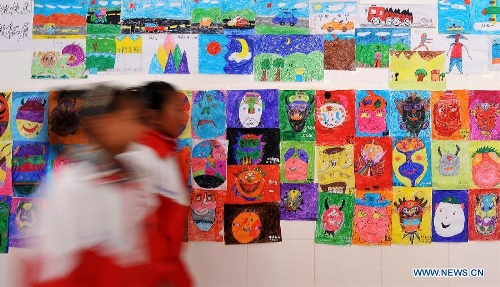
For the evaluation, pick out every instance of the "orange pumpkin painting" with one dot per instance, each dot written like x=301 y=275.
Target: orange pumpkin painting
x=253 y=183
x=246 y=227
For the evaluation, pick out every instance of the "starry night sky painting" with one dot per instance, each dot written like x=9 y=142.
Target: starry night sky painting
x=220 y=54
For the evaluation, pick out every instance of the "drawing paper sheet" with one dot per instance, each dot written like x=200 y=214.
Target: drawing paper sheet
x=410 y=162
x=450 y=164
x=410 y=114
x=225 y=54
x=340 y=52
x=29 y=114
x=335 y=114
x=397 y=15
x=205 y=220
x=53 y=17
x=114 y=54
x=238 y=17
x=485 y=167
x=253 y=184
x=297 y=161
x=208 y=116
x=170 y=54
x=285 y=17
x=6 y=106
x=484 y=115
x=208 y=168
x=335 y=169
x=450 y=115
x=449 y=215
x=252 y=109
x=454 y=16
x=372 y=218
x=17 y=25
x=29 y=166
x=373 y=163
x=187 y=102
x=184 y=151
x=296 y=112
x=495 y=53
x=483 y=214
x=24 y=222
x=4 y=223
x=372 y=112
x=253 y=146
x=335 y=216
x=373 y=45
x=333 y=17
x=206 y=17
x=6 y=168
x=299 y=201
x=103 y=17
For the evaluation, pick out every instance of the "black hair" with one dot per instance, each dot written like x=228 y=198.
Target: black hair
x=158 y=93
x=102 y=100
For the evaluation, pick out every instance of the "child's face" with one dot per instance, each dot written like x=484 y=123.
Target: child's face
x=172 y=117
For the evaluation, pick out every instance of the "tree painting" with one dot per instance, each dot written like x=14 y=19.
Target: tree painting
x=442 y=76
x=420 y=74
x=278 y=63
x=266 y=65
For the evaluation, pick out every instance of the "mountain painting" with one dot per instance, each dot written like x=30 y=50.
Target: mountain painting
x=170 y=54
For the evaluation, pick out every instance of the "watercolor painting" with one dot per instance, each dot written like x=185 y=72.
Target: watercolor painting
x=50 y=17
x=335 y=169
x=187 y=102
x=297 y=162
x=450 y=115
x=252 y=109
x=208 y=116
x=206 y=17
x=484 y=111
x=205 y=219
x=335 y=115
x=170 y=54
x=4 y=223
x=29 y=165
x=238 y=17
x=297 y=115
x=450 y=164
x=6 y=168
x=417 y=70
x=484 y=15
x=286 y=17
x=299 y=201
x=411 y=216
x=29 y=113
x=340 y=52
x=484 y=159
x=208 y=164
x=103 y=17
x=483 y=214
x=253 y=184
x=449 y=216
x=59 y=58
x=333 y=17
x=25 y=215
x=373 y=163
x=495 y=53
x=290 y=58
x=397 y=15
x=5 y=111
x=410 y=114
x=225 y=54
x=372 y=218
x=373 y=45
x=335 y=216
x=372 y=112
x=114 y=54
x=152 y=16
x=410 y=162
x=454 y=16
x=184 y=151
x=253 y=146
x=252 y=223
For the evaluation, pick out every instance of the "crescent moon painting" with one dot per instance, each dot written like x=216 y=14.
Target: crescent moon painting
x=288 y=41
x=234 y=54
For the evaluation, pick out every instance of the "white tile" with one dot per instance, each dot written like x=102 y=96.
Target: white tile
x=484 y=255
x=286 y=264
x=347 y=266
x=217 y=265
x=398 y=262
x=297 y=230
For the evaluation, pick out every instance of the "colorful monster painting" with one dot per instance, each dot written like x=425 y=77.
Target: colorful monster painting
x=373 y=163
x=4 y=223
x=186 y=101
x=335 y=215
x=411 y=218
x=63 y=118
x=52 y=19
x=253 y=146
x=297 y=115
x=372 y=218
x=450 y=164
x=252 y=223
x=252 y=109
x=208 y=164
x=29 y=164
x=297 y=162
x=170 y=54
x=238 y=17
x=335 y=115
x=281 y=58
x=410 y=112
x=449 y=115
x=485 y=164
x=299 y=201
x=184 y=150
x=25 y=215
x=103 y=17
x=205 y=219
x=483 y=214
x=484 y=111
x=373 y=45
x=30 y=116
x=5 y=110
x=372 y=113
x=5 y=168
x=287 y=17
x=449 y=215
x=333 y=17
x=335 y=169
x=340 y=52
x=223 y=54
x=208 y=116
x=253 y=184
x=410 y=162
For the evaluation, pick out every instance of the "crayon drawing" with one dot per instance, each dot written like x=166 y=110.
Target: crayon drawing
x=335 y=169
x=410 y=162
x=29 y=165
x=372 y=112
x=253 y=146
x=170 y=54
x=205 y=219
x=373 y=163
x=335 y=216
x=372 y=218
x=29 y=113
x=288 y=58
x=297 y=162
x=373 y=45
x=450 y=164
x=208 y=164
x=340 y=52
x=286 y=17
x=208 y=116
x=252 y=109
x=449 y=215
x=238 y=17
x=59 y=58
x=454 y=16
x=4 y=223
x=63 y=118
x=114 y=54
x=103 y=17
x=25 y=215
x=410 y=114
x=252 y=223
x=335 y=115
x=485 y=164
x=495 y=53
x=186 y=102
x=299 y=201
x=297 y=115
x=5 y=110
x=397 y=15
x=483 y=214
x=206 y=17
x=253 y=184
x=484 y=15
x=184 y=150
x=6 y=168
x=225 y=54
x=50 y=17
x=333 y=17
x=450 y=115
x=418 y=70
x=411 y=216
x=484 y=111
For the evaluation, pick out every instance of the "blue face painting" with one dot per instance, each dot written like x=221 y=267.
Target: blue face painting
x=209 y=114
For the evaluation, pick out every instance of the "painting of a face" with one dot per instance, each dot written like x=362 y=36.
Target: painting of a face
x=332 y=115
x=333 y=218
x=293 y=200
x=28 y=163
x=448 y=163
x=410 y=215
x=203 y=206
x=449 y=219
x=413 y=114
x=246 y=227
x=185 y=108
x=486 y=115
x=249 y=149
x=371 y=223
x=334 y=169
x=372 y=113
x=4 y=112
x=250 y=110
x=410 y=161
x=296 y=166
x=486 y=167
x=298 y=109
x=30 y=117
x=25 y=217
x=250 y=183
x=209 y=164
x=486 y=213
x=446 y=114
x=209 y=114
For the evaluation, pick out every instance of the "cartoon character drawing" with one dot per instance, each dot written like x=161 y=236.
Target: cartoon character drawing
x=372 y=114
x=449 y=217
x=486 y=167
x=449 y=163
x=446 y=114
x=209 y=164
x=486 y=116
x=332 y=169
x=424 y=40
x=246 y=227
x=410 y=216
x=250 y=110
x=248 y=149
x=100 y=16
x=486 y=213
x=371 y=218
x=456 y=53
x=332 y=113
x=209 y=114
x=249 y=183
x=4 y=112
x=30 y=117
x=370 y=162
x=203 y=208
x=63 y=118
x=413 y=112
x=296 y=161
x=293 y=200
x=298 y=108
x=333 y=218
x=410 y=161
